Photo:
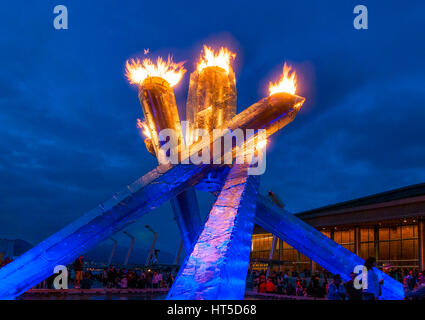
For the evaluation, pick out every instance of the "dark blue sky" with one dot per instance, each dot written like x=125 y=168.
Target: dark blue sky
x=68 y=138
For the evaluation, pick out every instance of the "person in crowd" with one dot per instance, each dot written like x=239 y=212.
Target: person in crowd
x=124 y=282
x=169 y=280
x=270 y=286
x=155 y=280
x=110 y=277
x=262 y=284
x=314 y=288
x=281 y=284
x=78 y=268
x=421 y=279
x=131 y=279
x=304 y=282
x=149 y=276
x=353 y=293
x=5 y=261
x=299 y=290
x=371 y=289
x=410 y=280
x=290 y=289
x=336 y=289
x=142 y=280
x=86 y=282
x=326 y=284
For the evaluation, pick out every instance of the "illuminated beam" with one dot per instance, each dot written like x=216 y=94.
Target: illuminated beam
x=218 y=264
x=188 y=217
x=179 y=250
x=63 y=247
x=130 y=249
x=155 y=236
x=147 y=193
x=211 y=99
x=112 y=251
x=160 y=109
x=315 y=245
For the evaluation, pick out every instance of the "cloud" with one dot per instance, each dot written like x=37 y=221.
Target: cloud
x=371 y=141
x=68 y=138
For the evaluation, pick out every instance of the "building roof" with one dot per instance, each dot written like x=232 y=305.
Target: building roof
x=387 y=196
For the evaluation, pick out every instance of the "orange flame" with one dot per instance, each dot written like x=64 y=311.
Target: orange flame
x=137 y=71
x=211 y=59
x=287 y=83
x=145 y=129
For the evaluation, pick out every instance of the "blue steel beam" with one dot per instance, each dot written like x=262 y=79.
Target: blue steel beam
x=63 y=247
x=217 y=266
x=188 y=218
x=315 y=245
x=147 y=193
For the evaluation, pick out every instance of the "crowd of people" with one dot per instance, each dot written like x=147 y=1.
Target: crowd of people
x=318 y=285
x=282 y=283
x=82 y=277
x=323 y=285
x=128 y=278
x=5 y=261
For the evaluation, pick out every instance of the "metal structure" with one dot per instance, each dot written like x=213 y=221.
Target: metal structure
x=280 y=204
x=315 y=245
x=217 y=266
x=155 y=236
x=160 y=109
x=218 y=252
x=114 y=247
x=133 y=239
x=272 y=248
x=179 y=250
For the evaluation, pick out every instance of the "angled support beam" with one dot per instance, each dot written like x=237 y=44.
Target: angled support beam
x=112 y=251
x=147 y=193
x=155 y=236
x=179 y=250
x=188 y=218
x=217 y=266
x=272 y=249
x=137 y=199
x=130 y=249
x=315 y=245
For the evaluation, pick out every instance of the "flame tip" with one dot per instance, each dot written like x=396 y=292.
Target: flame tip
x=211 y=58
x=137 y=71
x=287 y=82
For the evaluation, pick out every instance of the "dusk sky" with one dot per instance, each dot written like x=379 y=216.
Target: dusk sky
x=68 y=137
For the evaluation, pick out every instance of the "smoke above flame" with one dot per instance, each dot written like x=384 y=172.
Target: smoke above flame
x=211 y=59
x=137 y=71
x=287 y=83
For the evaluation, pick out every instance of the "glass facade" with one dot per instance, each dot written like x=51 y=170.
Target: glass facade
x=392 y=245
x=399 y=246
x=291 y=258
x=367 y=242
